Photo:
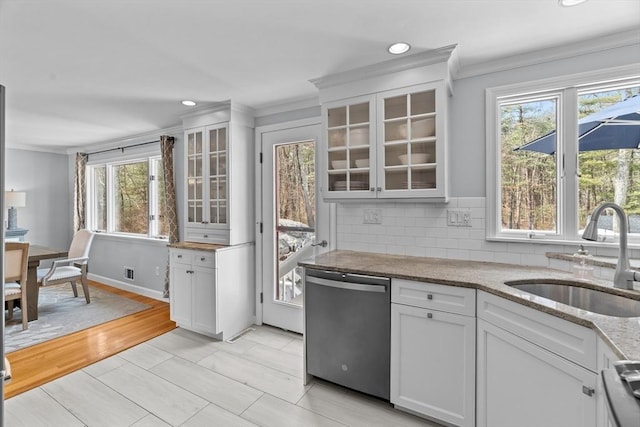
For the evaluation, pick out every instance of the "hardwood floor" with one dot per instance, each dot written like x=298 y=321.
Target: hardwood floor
x=36 y=365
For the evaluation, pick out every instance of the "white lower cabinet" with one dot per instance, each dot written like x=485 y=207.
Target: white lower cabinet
x=211 y=292
x=520 y=382
x=433 y=351
x=606 y=357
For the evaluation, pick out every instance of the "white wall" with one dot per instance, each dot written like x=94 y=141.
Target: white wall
x=43 y=176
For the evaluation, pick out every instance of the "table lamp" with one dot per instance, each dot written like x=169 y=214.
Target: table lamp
x=14 y=199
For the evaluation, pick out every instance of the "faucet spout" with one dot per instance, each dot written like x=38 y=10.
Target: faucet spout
x=624 y=276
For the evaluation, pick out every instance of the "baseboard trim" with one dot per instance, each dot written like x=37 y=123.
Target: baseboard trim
x=157 y=295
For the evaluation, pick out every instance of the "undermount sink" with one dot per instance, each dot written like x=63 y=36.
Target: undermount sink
x=578 y=296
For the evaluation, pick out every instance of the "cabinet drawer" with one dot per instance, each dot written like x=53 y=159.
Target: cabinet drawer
x=181 y=256
x=219 y=236
x=567 y=339
x=451 y=299
x=204 y=259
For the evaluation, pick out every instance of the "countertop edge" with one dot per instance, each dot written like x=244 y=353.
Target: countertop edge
x=473 y=274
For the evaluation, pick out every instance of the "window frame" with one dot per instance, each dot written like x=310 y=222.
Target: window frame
x=154 y=162
x=568 y=88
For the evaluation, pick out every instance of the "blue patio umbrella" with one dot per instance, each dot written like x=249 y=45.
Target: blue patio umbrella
x=612 y=128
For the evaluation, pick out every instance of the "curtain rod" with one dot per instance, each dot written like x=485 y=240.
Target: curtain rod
x=123 y=148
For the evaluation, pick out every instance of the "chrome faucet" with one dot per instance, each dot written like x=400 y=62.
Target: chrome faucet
x=624 y=276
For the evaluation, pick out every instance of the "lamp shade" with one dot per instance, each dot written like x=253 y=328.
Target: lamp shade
x=15 y=199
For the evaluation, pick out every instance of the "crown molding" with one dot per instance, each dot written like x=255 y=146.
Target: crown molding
x=422 y=59
x=584 y=47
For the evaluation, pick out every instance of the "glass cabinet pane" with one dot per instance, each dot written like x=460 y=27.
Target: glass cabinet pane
x=337 y=117
x=410 y=141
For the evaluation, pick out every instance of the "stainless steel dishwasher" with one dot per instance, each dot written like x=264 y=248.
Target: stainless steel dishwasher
x=348 y=329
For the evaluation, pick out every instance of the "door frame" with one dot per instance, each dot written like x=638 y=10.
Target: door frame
x=259 y=199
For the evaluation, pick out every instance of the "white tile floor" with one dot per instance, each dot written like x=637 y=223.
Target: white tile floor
x=185 y=379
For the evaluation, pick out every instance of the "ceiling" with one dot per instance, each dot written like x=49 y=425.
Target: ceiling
x=81 y=72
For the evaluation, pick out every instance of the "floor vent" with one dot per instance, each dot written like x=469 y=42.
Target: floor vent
x=128 y=273
x=237 y=336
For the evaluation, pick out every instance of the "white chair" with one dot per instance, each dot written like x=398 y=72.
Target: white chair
x=16 y=255
x=73 y=268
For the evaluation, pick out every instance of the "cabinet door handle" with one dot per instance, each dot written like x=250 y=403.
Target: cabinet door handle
x=373 y=189
x=206 y=236
x=429 y=315
x=589 y=391
x=202 y=259
x=179 y=256
x=429 y=296
x=204 y=222
x=379 y=189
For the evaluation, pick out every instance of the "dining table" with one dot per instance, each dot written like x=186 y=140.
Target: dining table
x=38 y=253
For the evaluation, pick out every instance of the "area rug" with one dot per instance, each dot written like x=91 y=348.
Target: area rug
x=59 y=313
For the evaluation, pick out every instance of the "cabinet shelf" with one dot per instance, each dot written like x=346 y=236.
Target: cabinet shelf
x=402 y=168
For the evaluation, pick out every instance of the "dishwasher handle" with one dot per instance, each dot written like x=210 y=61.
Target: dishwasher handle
x=346 y=285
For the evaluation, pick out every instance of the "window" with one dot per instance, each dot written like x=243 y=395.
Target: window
x=546 y=173
x=127 y=198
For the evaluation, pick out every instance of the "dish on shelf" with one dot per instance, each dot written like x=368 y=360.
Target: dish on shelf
x=336 y=138
x=355 y=185
x=419 y=185
x=423 y=128
x=359 y=136
x=415 y=158
x=339 y=164
x=362 y=163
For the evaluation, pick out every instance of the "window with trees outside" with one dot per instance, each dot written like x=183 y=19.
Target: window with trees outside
x=551 y=172
x=127 y=198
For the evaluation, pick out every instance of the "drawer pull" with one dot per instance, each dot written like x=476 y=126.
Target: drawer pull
x=429 y=315
x=203 y=259
x=429 y=296
x=588 y=390
x=206 y=236
x=179 y=256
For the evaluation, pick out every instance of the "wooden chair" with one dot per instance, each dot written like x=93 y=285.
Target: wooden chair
x=73 y=268
x=16 y=256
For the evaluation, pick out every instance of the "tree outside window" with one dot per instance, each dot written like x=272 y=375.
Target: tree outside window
x=534 y=189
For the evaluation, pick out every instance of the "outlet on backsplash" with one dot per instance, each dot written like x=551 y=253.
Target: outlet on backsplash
x=459 y=217
x=372 y=216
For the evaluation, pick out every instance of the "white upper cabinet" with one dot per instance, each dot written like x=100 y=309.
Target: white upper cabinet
x=390 y=139
x=218 y=176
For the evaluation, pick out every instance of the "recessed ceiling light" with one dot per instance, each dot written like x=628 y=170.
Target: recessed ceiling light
x=398 y=48
x=189 y=103
x=569 y=3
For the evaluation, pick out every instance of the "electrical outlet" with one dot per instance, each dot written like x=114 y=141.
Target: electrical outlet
x=459 y=217
x=372 y=216
x=466 y=218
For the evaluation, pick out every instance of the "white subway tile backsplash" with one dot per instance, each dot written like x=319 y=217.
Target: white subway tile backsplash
x=420 y=229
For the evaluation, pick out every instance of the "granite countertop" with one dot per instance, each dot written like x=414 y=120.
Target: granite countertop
x=197 y=246
x=622 y=334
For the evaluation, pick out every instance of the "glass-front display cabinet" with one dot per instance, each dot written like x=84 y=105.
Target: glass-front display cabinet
x=386 y=145
x=350 y=154
x=409 y=143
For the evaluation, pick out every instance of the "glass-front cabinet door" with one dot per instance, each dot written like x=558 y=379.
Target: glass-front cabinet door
x=206 y=157
x=218 y=175
x=410 y=138
x=195 y=178
x=350 y=155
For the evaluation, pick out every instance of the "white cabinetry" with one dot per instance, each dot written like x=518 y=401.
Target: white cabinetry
x=534 y=369
x=387 y=145
x=606 y=357
x=218 y=176
x=433 y=350
x=385 y=130
x=211 y=292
